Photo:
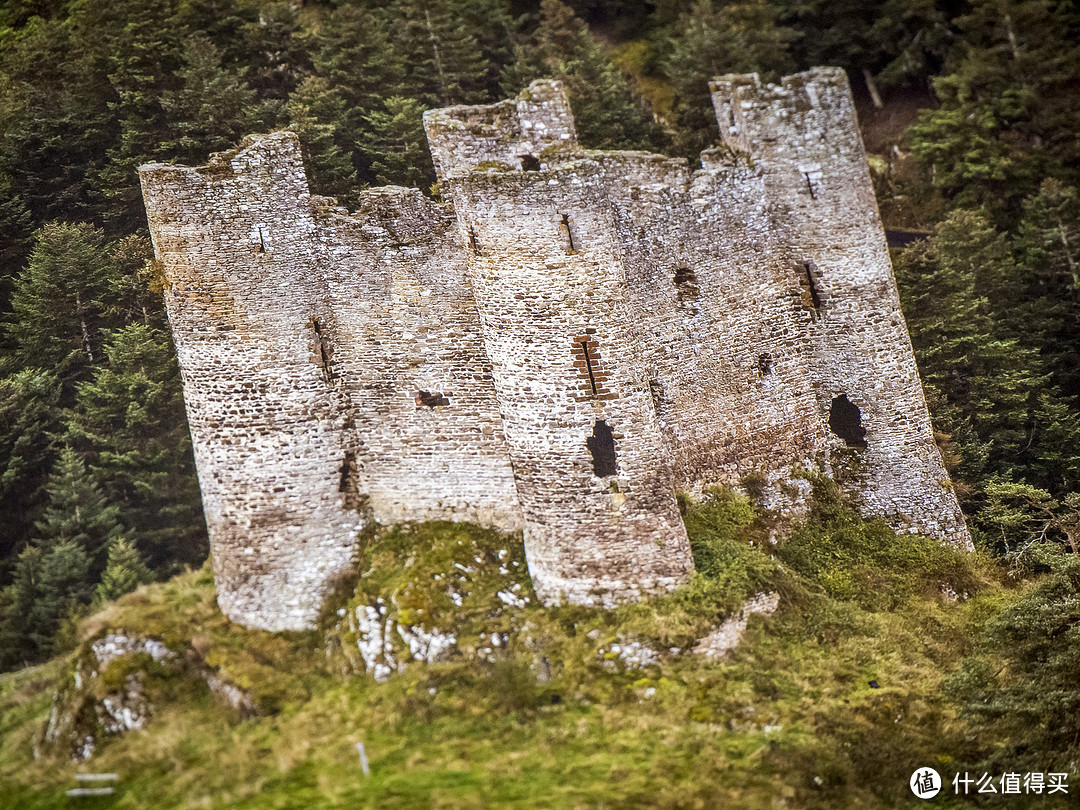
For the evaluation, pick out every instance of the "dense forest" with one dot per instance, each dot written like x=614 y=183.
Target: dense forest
x=969 y=110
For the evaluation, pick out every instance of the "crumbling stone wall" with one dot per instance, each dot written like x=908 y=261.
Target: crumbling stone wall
x=803 y=135
x=568 y=339
x=332 y=367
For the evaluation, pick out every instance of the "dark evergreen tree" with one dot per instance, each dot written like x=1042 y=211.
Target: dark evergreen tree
x=988 y=390
x=399 y=149
x=606 y=112
x=78 y=512
x=491 y=25
x=280 y=58
x=211 y=109
x=134 y=287
x=128 y=423
x=1022 y=699
x=58 y=302
x=54 y=129
x=714 y=38
x=353 y=54
x=1008 y=115
x=145 y=58
x=444 y=63
x=51 y=585
x=315 y=112
x=124 y=572
x=29 y=419
x=1048 y=247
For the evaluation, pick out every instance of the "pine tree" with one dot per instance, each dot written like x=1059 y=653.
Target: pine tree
x=606 y=112
x=128 y=423
x=315 y=111
x=63 y=581
x=444 y=62
x=29 y=419
x=714 y=38
x=280 y=58
x=399 y=150
x=1048 y=247
x=490 y=24
x=1008 y=115
x=58 y=302
x=354 y=56
x=54 y=125
x=78 y=512
x=124 y=572
x=1024 y=695
x=54 y=575
x=146 y=54
x=210 y=110
x=134 y=290
x=16 y=603
x=988 y=388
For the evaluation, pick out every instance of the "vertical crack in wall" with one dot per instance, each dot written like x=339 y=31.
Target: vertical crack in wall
x=566 y=225
x=812 y=299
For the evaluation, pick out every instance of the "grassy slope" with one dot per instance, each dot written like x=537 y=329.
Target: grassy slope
x=788 y=720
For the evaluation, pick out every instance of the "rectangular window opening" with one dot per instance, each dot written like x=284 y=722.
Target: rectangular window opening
x=431 y=399
x=473 y=243
x=601 y=446
x=349 y=485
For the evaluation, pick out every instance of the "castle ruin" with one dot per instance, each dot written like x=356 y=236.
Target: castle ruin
x=564 y=342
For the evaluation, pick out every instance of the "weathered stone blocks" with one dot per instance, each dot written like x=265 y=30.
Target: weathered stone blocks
x=569 y=339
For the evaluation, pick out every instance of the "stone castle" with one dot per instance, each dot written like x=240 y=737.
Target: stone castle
x=568 y=339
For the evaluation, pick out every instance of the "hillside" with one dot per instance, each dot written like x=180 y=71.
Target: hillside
x=830 y=702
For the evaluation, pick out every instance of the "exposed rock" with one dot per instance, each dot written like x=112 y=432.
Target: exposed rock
x=726 y=637
x=109 y=692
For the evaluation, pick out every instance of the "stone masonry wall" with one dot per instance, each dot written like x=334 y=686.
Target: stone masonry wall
x=332 y=368
x=570 y=339
x=242 y=263
x=553 y=303
x=804 y=135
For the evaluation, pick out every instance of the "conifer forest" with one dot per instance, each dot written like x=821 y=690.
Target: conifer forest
x=970 y=117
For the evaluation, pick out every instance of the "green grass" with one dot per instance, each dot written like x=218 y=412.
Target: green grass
x=551 y=718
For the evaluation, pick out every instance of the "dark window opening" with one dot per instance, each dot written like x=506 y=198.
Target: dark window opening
x=431 y=399
x=602 y=447
x=588 y=364
x=810 y=185
x=765 y=364
x=348 y=473
x=686 y=286
x=349 y=486
x=324 y=351
x=261 y=247
x=845 y=420
x=475 y=245
x=529 y=163
x=565 y=224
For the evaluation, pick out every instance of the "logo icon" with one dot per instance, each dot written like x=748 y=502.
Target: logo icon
x=925 y=783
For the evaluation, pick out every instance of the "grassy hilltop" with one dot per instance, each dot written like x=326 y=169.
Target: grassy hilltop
x=562 y=707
